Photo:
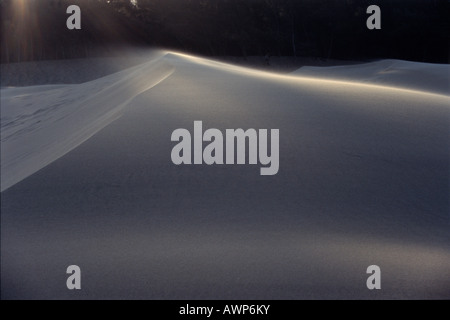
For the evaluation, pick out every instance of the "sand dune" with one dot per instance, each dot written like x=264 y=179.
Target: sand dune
x=40 y=124
x=426 y=77
x=364 y=159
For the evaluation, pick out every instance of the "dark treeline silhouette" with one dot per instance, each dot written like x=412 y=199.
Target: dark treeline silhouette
x=413 y=30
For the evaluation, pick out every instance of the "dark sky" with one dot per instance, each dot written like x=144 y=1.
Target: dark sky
x=411 y=30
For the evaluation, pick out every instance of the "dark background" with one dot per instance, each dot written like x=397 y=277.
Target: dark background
x=415 y=30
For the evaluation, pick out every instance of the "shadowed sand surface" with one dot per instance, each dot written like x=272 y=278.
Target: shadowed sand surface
x=87 y=179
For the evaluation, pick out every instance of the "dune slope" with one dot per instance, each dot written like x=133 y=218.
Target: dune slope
x=426 y=77
x=87 y=179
